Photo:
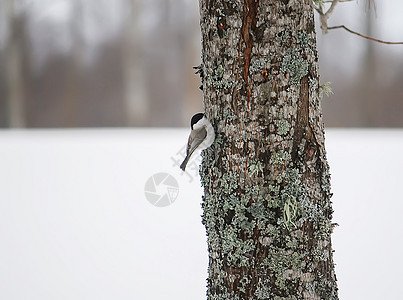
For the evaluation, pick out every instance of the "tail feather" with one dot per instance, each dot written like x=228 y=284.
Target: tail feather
x=185 y=162
x=188 y=155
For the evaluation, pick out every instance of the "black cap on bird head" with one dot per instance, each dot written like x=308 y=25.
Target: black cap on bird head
x=196 y=118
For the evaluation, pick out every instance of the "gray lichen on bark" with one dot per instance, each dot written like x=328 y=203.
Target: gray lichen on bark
x=266 y=207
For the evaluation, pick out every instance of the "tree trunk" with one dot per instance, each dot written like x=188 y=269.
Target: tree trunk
x=71 y=93
x=135 y=68
x=16 y=66
x=367 y=84
x=266 y=207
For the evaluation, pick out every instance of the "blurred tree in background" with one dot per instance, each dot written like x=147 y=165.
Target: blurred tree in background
x=74 y=63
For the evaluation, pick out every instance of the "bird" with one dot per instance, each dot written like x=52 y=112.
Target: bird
x=201 y=136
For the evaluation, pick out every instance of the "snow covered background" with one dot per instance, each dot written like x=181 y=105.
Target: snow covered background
x=75 y=222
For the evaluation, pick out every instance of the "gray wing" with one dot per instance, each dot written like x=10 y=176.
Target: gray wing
x=195 y=139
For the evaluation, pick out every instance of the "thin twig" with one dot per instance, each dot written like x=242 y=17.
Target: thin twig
x=331 y=8
x=324 y=16
x=364 y=36
x=318 y=9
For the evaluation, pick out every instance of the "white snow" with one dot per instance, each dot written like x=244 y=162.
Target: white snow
x=75 y=222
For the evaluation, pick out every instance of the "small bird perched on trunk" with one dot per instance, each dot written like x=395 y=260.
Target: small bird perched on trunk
x=201 y=136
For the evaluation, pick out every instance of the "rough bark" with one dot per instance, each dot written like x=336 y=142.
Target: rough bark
x=266 y=207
